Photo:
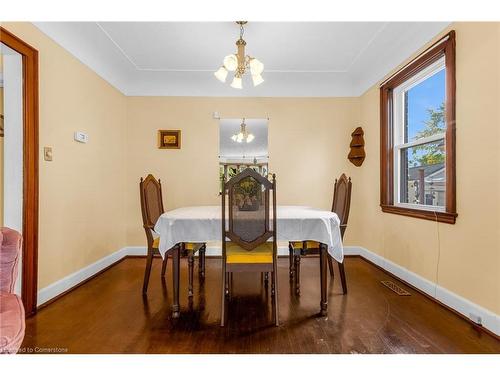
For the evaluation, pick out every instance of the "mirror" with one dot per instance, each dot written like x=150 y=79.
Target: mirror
x=243 y=143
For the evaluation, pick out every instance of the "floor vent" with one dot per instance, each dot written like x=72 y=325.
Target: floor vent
x=395 y=288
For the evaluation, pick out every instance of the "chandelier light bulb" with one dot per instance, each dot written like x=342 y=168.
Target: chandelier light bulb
x=240 y=63
x=243 y=135
x=257 y=79
x=237 y=84
x=231 y=62
x=256 y=67
x=221 y=74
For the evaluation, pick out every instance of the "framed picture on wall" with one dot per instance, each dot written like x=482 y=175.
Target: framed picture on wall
x=169 y=139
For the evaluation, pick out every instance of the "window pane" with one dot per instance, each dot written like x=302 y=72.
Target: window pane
x=424 y=108
x=423 y=177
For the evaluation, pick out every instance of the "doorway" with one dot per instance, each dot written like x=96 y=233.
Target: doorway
x=20 y=155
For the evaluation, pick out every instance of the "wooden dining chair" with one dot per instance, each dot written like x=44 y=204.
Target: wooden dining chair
x=341 y=206
x=152 y=208
x=250 y=226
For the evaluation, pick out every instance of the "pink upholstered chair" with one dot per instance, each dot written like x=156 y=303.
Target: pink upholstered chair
x=12 y=324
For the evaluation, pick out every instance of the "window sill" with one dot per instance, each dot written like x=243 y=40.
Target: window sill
x=440 y=216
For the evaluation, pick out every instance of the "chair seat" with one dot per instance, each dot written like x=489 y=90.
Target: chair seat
x=261 y=254
x=191 y=246
x=309 y=245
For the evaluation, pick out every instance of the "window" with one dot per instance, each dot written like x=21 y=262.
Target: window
x=418 y=136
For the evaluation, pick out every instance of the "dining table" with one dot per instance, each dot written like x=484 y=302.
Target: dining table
x=201 y=224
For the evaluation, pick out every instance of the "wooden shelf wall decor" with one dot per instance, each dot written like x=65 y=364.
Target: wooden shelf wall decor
x=357 y=154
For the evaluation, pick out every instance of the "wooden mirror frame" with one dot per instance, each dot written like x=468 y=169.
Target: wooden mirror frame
x=30 y=169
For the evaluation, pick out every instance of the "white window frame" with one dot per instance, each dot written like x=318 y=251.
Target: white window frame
x=398 y=131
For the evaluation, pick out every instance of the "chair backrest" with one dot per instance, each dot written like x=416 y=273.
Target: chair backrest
x=10 y=252
x=250 y=222
x=342 y=200
x=151 y=202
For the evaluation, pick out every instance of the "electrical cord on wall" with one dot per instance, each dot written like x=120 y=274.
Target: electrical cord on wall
x=384 y=251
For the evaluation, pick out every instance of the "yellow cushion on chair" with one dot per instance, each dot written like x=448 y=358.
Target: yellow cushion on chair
x=156 y=243
x=309 y=245
x=190 y=245
x=261 y=254
x=187 y=245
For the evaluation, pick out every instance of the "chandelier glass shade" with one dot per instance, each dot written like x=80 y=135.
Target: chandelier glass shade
x=243 y=135
x=240 y=64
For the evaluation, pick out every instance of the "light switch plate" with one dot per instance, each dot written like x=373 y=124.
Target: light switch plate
x=47 y=153
x=81 y=137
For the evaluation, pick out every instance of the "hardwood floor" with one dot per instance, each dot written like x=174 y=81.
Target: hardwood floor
x=109 y=315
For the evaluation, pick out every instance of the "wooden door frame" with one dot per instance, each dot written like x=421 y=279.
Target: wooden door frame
x=30 y=168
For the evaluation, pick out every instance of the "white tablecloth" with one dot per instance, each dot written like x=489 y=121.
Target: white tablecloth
x=295 y=223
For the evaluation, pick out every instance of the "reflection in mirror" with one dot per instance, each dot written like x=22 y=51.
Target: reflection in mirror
x=11 y=143
x=243 y=143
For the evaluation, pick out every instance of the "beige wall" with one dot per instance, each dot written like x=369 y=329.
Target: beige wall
x=308 y=146
x=469 y=260
x=81 y=191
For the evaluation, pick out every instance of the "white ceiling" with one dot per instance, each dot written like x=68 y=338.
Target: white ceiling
x=301 y=58
x=231 y=150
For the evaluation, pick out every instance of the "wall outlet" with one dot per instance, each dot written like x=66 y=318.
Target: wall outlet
x=81 y=137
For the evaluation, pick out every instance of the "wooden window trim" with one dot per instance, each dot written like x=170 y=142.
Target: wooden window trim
x=444 y=48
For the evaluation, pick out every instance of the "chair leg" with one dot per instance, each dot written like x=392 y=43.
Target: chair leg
x=223 y=302
x=226 y=284
x=231 y=283
x=342 y=278
x=275 y=288
x=191 y=272
x=202 y=262
x=164 y=266
x=330 y=266
x=297 y=274
x=149 y=262
x=290 y=260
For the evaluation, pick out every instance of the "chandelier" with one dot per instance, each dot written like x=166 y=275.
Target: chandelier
x=243 y=135
x=239 y=63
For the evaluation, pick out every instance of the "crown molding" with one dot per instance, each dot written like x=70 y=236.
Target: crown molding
x=92 y=45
